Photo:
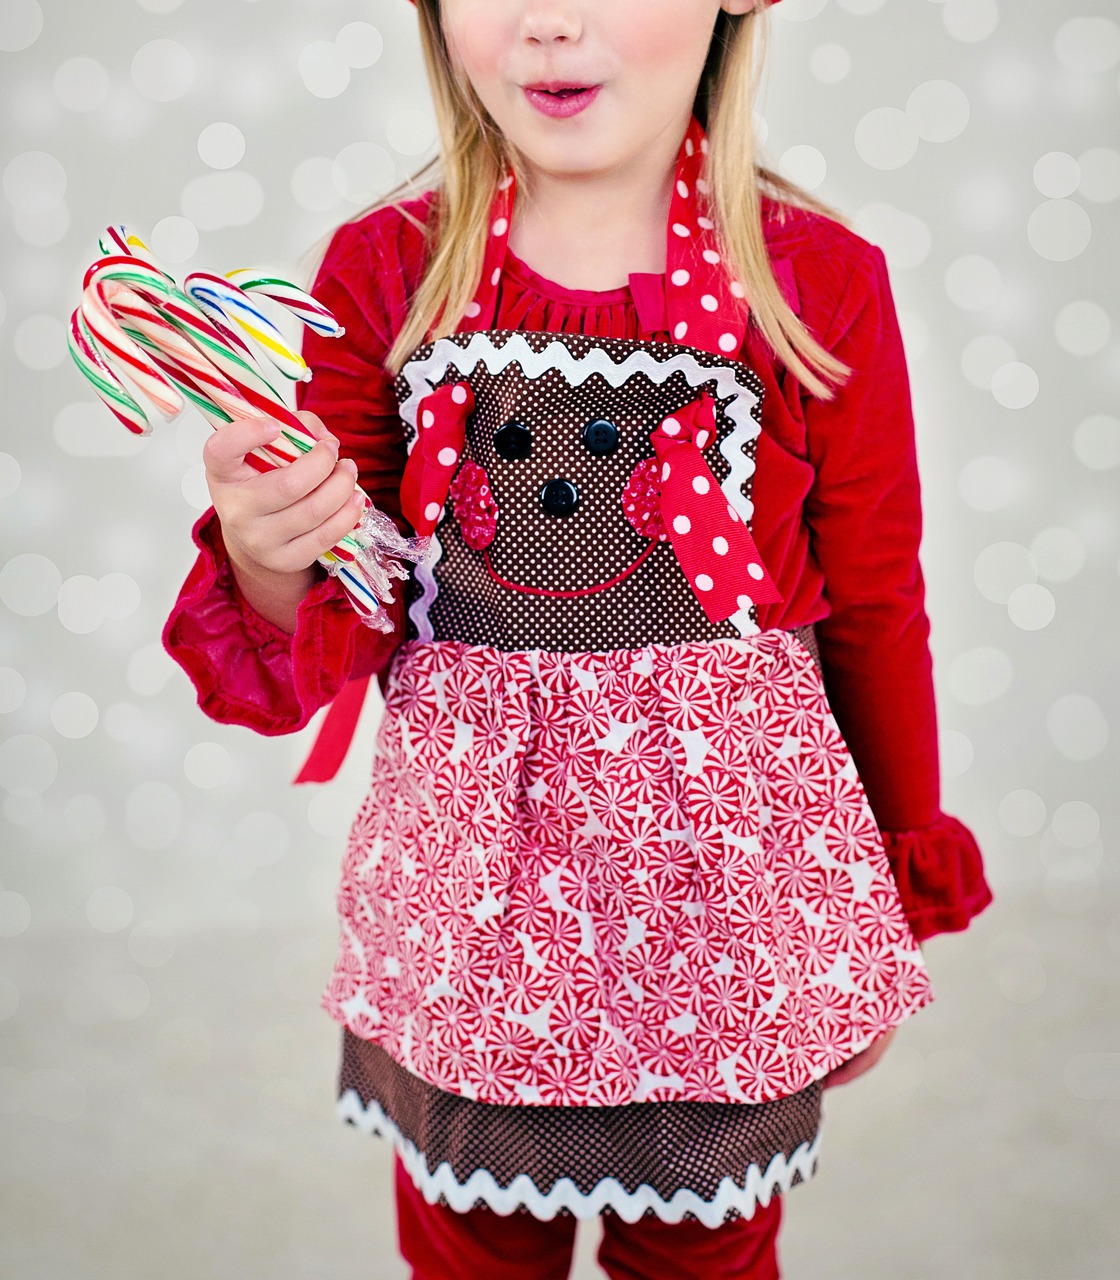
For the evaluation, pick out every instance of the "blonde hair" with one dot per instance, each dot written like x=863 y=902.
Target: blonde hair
x=474 y=155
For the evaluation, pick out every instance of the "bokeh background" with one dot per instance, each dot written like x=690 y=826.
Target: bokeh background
x=166 y=907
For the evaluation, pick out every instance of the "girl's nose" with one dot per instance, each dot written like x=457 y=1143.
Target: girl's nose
x=549 y=20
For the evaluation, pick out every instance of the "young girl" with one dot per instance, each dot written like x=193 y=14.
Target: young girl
x=653 y=827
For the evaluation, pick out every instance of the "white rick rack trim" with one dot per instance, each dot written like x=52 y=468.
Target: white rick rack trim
x=421 y=375
x=758 y=1187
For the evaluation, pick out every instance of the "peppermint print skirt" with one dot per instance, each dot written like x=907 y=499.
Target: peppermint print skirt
x=596 y=879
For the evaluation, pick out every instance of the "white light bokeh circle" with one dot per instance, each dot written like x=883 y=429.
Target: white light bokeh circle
x=110 y=909
x=174 y=240
x=1015 y=385
x=1096 y=442
x=28 y=764
x=74 y=714
x=313 y=184
x=208 y=765
x=983 y=356
x=956 y=753
x=990 y=483
x=151 y=944
x=1082 y=328
x=228 y=198
x=938 y=110
x=973 y=283
x=15 y=913
x=326 y=815
x=1100 y=174
x=1077 y=727
x=29 y=584
x=804 y=165
x=411 y=131
x=1076 y=824
x=163 y=70
x=9 y=1006
x=81 y=84
x=1057 y=175
x=21 y=24
x=42 y=228
x=86 y=429
x=126 y=995
x=80 y=609
x=13 y=690
x=11 y=473
x=221 y=145
x=915 y=334
x=40 y=342
x=1088 y=46
x=1002 y=568
x=1031 y=607
x=1022 y=812
x=1059 y=553
x=903 y=237
x=980 y=675
x=362 y=172
x=970 y=20
x=34 y=181
x=149 y=670
x=359 y=44
x=323 y=69
x=885 y=138
x=195 y=490
x=1059 y=230
x=830 y=63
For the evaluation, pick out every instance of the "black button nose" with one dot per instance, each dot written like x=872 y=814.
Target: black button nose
x=513 y=441
x=600 y=437
x=559 y=497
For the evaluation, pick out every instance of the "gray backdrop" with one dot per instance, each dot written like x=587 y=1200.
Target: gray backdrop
x=166 y=907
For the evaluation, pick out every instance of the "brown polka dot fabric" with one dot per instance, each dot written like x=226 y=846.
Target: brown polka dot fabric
x=660 y=1146
x=573 y=387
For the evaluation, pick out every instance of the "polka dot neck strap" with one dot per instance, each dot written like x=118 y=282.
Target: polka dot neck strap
x=705 y=308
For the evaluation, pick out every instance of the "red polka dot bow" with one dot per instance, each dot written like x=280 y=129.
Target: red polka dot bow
x=713 y=545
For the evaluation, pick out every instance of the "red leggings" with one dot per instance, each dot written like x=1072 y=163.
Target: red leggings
x=440 y=1244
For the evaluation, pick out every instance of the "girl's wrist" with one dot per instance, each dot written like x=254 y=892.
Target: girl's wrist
x=276 y=596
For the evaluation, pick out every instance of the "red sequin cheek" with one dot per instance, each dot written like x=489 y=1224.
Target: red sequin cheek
x=474 y=506
x=641 y=500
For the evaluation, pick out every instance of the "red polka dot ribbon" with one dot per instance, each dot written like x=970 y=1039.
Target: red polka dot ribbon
x=713 y=545
x=706 y=309
x=441 y=434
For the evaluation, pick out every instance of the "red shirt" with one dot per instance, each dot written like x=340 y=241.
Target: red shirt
x=837 y=518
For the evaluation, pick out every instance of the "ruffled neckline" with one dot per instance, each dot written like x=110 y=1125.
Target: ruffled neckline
x=519 y=270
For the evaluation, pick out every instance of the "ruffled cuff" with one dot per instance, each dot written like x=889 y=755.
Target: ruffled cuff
x=248 y=671
x=940 y=875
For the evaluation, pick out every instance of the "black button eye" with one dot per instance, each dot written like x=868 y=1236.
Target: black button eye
x=600 y=437
x=559 y=497
x=513 y=442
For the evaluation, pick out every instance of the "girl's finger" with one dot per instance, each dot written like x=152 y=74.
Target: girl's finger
x=317 y=506
x=306 y=549
x=275 y=491
x=224 y=452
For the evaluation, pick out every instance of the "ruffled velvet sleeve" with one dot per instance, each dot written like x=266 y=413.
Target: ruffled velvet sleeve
x=246 y=670
x=865 y=523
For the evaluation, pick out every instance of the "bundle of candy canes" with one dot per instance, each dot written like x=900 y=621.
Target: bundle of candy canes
x=208 y=343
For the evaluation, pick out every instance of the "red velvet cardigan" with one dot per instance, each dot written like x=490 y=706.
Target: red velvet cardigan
x=837 y=518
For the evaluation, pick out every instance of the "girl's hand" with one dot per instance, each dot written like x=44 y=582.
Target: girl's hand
x=855 y=1067
x=276 y=524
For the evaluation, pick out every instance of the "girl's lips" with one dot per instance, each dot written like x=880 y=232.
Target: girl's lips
x=562 y=104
